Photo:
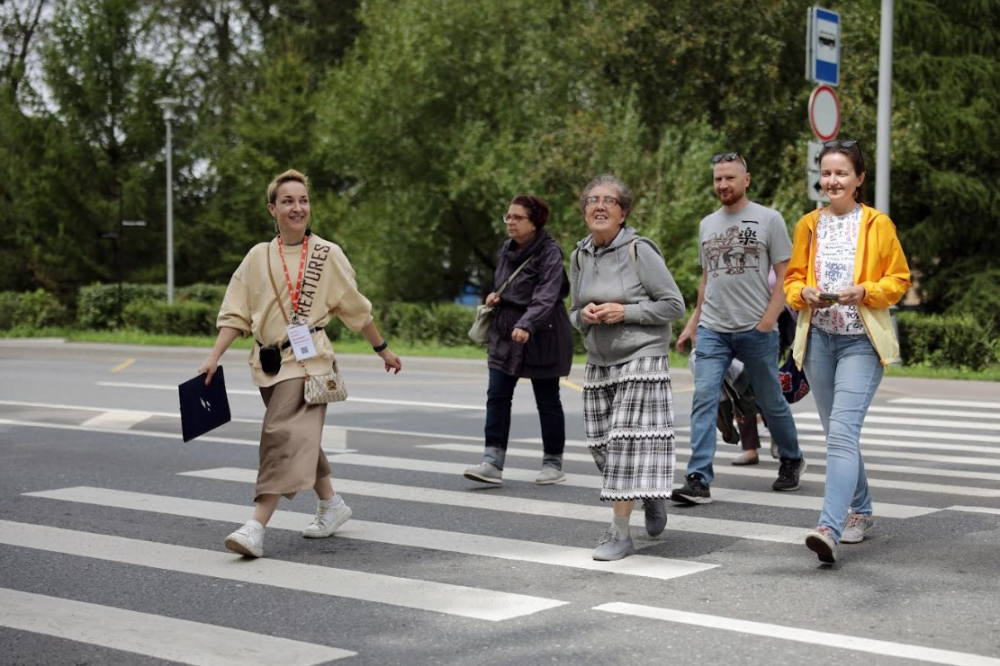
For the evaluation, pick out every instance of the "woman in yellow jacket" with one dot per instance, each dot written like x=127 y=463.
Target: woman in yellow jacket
x=846 y=269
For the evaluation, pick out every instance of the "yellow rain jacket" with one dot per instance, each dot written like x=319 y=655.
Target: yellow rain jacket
x=879 y=266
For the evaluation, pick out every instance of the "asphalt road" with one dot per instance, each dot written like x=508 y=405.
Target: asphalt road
x=111 y=532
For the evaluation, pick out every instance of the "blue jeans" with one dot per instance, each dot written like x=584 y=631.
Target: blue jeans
x=759 y=353
x=499 y=397
x=843 y=373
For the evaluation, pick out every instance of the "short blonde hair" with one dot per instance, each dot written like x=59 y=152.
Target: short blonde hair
x=287 y=177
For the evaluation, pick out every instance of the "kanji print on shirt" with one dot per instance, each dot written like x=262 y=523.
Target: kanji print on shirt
x=733 y=252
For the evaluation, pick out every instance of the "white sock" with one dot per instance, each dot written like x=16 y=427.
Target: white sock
x=254 y=523
x=336 y=500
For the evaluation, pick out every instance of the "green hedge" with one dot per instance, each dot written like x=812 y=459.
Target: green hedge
x=32 y=309
x=97 y=304
x=210 y=294
x=181 y=318
x=958 y=341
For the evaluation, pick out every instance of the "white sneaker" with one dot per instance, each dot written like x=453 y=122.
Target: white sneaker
x=248 y=540
x=484 y=472
x=327 y=520
x=550 y=475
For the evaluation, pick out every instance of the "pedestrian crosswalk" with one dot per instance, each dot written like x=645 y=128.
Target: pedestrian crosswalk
x=155 y=635
x=921 y=457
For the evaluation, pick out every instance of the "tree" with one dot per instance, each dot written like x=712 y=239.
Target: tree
x=83 y=158
x=944 y=193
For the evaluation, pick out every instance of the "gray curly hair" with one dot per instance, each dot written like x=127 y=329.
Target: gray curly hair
x=624 y=193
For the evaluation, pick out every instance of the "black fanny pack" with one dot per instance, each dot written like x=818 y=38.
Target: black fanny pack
x=270 y=356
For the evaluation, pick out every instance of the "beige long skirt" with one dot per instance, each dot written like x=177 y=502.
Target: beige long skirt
x=291 y=452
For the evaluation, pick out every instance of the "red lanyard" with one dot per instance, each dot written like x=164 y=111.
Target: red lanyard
x=294 y=293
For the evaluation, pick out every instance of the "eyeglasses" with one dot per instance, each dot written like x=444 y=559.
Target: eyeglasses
x=511 y=219
x=728 y=157
x=607 y=200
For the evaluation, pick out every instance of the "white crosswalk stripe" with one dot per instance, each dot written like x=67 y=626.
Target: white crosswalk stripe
x=410 y=593
x=723 y=471
x=599 y=514
x=156 y=636
x=920 y=653
x=784 y=500
x=400 y=535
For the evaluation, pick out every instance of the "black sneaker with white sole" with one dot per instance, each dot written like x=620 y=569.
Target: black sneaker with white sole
x=694 y=491
x=789 y=474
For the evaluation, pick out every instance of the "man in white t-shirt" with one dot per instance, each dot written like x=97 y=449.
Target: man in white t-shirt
x=736 y=317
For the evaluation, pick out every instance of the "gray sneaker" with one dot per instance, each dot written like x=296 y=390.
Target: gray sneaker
x=485 y=473
x=327 y=520
x=857 y=526
x=550 y=475
x=820 y=541
x=656 y=516
x=613 y=546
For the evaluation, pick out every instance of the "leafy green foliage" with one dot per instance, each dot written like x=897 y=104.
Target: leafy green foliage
x=33 y=309
x=948 y=77
x=99 y=305
x=957 y=341
x=181 y=318
x=418 y=120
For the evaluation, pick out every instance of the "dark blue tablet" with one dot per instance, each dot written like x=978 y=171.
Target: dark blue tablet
x=203 y=408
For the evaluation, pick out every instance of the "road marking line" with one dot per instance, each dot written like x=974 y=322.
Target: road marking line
x=729 y=470
x=924 y=423
x=783 y=500
x=846 y=642
x=940 y=438
x=397 y=535
x=971 y=404
x=869 y=453
x=950 y=413
x=568 y=456
x=156 y=636
x=899 y=438
x=115 y=419
x=373 y=401
x=736 y=529
x=476 y=603
x=124 y=364
x=975 y=509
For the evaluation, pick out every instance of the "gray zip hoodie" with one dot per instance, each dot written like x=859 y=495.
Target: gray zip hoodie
x=646 y=288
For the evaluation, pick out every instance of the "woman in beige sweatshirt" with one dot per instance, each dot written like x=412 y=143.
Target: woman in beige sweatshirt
x=301 y=279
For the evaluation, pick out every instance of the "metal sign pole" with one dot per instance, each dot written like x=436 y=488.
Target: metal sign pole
x=883 y=141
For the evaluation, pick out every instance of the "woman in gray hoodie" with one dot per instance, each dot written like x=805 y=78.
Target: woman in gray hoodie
x=623 y=301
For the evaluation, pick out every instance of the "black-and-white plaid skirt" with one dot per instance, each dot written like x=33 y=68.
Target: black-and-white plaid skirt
x=629 y=419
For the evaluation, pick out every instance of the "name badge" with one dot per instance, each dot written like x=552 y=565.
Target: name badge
x=301 y=339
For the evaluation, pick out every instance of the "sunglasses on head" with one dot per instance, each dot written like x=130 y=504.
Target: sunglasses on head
x=837 y=143
x=728 y=157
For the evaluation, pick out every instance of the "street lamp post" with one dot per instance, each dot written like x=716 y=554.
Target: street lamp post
x=168 y=104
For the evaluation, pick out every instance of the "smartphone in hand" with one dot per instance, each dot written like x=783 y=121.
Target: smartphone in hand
x=828 y=296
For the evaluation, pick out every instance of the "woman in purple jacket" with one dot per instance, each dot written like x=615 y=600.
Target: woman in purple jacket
x=530 y=337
